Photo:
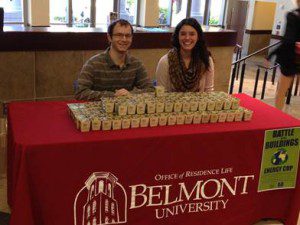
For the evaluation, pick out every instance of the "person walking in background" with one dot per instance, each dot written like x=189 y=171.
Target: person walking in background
x=188 y=66
x=113 y=72
x=288 y=57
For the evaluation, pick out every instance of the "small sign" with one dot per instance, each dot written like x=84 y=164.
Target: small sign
x=280 y=159
x=113 y=16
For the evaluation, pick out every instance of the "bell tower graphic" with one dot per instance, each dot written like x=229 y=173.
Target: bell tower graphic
x=101 y=206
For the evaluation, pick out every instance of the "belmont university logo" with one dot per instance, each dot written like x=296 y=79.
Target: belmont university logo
x=103 y=200
x=106 y=201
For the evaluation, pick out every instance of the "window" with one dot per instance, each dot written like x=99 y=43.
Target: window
x=216 y=12
x=94 y=207
x=13 y=11
x=88 y=212
x=59 y=11
x=179 y=10
x=92 y=192
x=164 y=12
x=109 y=190
x=106 y=205
x=207 y=12
x=128 y=9
x=87 y=13
x=81 y=13
x=101 y=186
x=197 y=10
x=112 y=209
x=103 y=8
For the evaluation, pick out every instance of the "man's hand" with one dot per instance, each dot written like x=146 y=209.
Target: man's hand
x=121 y=92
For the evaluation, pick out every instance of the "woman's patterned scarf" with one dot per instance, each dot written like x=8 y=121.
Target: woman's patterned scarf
x=181 y=78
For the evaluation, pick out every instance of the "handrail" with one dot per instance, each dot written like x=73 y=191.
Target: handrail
x=268 y=68
x=236 y=68
x=238 y=46
x=254 y=53
x=238 y=49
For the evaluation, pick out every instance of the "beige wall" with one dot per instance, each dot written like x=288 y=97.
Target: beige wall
x=263 y=17
x=150 y=58
x=260 y=16
x=222 y=58
x=26 y=75
x=17 y=71
x=258 y=41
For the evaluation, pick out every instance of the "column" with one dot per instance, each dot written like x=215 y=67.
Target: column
x=38 y=13
x=196 y=11
x=149 y=13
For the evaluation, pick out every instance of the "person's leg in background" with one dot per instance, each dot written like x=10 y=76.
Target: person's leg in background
x=284 y=83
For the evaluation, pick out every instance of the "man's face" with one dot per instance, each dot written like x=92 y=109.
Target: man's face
x=121 y=38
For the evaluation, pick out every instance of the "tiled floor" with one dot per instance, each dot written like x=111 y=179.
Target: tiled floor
x=293 y=109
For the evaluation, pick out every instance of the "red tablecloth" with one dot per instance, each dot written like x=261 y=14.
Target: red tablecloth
x=55 y=171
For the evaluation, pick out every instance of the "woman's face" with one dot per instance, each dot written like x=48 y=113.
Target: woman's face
x=188 y=37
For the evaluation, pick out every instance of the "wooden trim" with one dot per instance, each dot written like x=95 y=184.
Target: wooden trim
x=258 y=31
x=70 y=13
x=206 y=10
x=93 y=13
x=116 y=5
x=40 y=26
x=25 y=11
x=64 y=41
x=1 y=19
x=188 y=10
x=277 y=37
x=138 y=14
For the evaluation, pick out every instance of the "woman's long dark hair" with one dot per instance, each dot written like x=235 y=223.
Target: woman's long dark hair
x=200 y=51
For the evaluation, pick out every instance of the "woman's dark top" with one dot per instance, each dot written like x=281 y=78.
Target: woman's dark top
x=286 y=55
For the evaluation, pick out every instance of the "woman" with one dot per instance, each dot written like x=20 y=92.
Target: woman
x=188 y=66
x=287 y=56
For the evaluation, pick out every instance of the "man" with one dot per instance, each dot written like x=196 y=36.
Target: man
x=113 y=72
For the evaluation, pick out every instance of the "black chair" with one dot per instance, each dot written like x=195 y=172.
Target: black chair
x=1 y=19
